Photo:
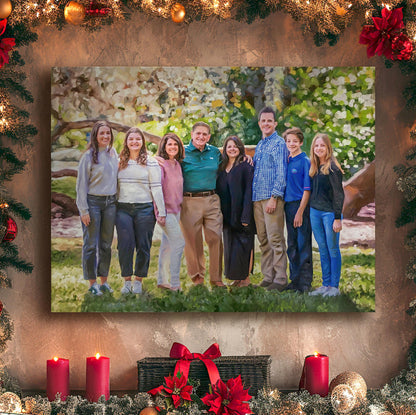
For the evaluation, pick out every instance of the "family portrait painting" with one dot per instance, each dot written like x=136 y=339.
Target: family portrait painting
x=213 y=189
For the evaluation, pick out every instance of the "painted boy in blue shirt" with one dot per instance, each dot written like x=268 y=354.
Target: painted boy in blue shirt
x=298 y=224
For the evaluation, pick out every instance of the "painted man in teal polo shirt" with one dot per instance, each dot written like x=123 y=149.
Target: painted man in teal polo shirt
x=201 y=209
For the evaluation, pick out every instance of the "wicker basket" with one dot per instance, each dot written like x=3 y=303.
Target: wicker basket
x=254 y=371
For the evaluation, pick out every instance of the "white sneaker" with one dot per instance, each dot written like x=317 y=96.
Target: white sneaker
x=332 y=292
x=137 y=287
x=106 y=288
x=95 y=289
x=319 y=291
x=126 y=287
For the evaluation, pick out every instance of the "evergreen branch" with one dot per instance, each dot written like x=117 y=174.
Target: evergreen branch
x=400 y=169
x=16 y=207
x=9 y=249
x=5 y=282
x=411 y=153
x=11 y=73
x=410 y=272
x=16 y=59
x=407 y=184
x=7 y=155
x=7 y=329
x=8 y=174
x=22 y=34
x=410 y=242
x=16 y=88
x=21 y=133
x=13 y=262
x=407 y=214
x=409 y=93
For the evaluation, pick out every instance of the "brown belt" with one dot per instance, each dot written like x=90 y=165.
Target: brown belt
x=199 y=194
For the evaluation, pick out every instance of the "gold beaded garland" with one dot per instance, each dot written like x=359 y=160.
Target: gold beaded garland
x=343 y=399
x=289 y=408
x=10 y=403
x=177 y=13
x=354 y=380
x=5 y=9
x=74 y=13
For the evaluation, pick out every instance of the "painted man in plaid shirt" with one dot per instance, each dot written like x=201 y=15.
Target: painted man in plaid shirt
x=269 y=184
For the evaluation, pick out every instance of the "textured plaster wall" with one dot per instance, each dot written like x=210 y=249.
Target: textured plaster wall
x=373 y=344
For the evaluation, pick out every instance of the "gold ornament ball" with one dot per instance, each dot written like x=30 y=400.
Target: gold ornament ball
x=74 y=13
x=10 y=403
x=5 y=9
x=354 y=380
x=177 y=13
x=30 y=404
x=149 y=411
x=343 y=399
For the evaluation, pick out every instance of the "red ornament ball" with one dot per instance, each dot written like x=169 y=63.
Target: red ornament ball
x=11 y=230
x=177 y=13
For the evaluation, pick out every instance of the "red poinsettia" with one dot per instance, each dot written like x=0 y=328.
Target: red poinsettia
x=176 y=388
x=379 y=37
x=6 y=44
x=228 y=399
x=402 y=47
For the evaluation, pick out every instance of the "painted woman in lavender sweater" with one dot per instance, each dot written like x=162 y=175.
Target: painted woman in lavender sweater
x=170 y=154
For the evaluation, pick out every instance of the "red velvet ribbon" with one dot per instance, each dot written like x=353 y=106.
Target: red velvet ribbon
x=3 y=24
x=181 y=352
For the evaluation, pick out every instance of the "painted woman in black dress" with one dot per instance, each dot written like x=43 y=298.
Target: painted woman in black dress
x=234 y=189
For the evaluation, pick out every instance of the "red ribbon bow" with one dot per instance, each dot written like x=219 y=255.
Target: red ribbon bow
x=181 y=352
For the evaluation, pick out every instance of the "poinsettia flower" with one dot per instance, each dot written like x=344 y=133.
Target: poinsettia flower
x=6 y=45
x=175 y=388
x=228 y=398
x=379 y=36
x=402 y=47
x=178 y=389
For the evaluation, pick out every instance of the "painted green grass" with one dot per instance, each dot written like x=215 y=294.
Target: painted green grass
x=65 y=185
x=69 y=290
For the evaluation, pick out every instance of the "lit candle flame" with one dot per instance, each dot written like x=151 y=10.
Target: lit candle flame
x=55 y=358
x=316 y=354
x=97 y=356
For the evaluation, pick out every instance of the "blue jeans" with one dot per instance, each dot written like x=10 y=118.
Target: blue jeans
x=98 y=234
x=299 y=246
x=135 y=224
x=328 y=243
x=170 y=253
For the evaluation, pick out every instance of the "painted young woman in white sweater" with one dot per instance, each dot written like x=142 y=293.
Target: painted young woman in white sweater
x=139 y=186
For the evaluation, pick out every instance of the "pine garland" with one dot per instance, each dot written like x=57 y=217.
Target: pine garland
x=325 y=25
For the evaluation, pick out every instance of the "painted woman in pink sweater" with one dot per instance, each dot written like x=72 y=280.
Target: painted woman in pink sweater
x=170 y=154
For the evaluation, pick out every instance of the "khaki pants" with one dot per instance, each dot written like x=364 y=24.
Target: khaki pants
x=197 y=214
x=270 y=233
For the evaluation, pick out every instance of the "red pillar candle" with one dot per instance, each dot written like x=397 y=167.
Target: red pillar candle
x=98 y=377
x=57 y=377
x=315 y=374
